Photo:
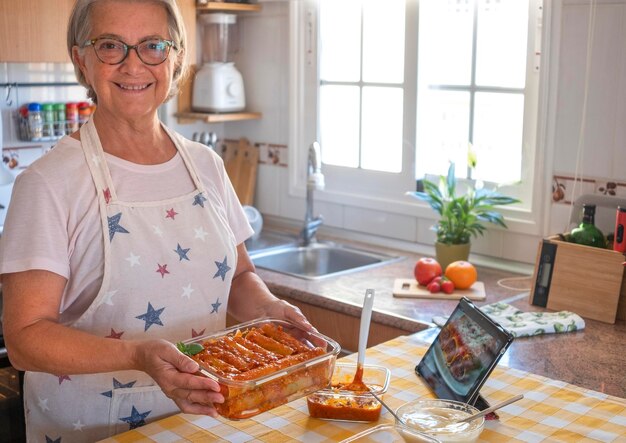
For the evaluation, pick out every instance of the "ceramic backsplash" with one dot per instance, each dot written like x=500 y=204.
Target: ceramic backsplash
x=565 y=188
x=60 y=86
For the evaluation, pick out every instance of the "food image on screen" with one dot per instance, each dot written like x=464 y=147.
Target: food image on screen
x=243 y=362
x=466 y=348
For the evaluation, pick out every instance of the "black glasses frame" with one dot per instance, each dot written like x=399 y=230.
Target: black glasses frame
x=127 y=48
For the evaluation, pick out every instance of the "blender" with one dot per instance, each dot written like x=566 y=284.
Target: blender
x=218 y=85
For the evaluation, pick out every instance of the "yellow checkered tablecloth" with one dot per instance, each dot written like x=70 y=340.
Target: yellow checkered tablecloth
x=551 y=411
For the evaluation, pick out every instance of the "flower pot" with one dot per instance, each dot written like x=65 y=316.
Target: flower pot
x=447 y=254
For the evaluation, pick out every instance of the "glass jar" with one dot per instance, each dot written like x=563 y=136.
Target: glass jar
x=47 y=112
x=84 y=112
x=71 y=117
x=59 y=119
x=35 y=121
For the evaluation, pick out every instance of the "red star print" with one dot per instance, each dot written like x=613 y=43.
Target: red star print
x=107 y=195
x=114 y=334
x=162 y=270
x=197 y=334
x=62 y=378
x=171 y=213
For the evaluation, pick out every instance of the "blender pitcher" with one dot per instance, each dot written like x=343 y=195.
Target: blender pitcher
x=218 y=85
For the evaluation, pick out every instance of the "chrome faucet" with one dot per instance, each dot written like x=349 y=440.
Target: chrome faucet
x=314 y=180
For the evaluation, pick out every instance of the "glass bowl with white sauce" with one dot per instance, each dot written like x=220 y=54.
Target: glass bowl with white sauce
x=441 y=419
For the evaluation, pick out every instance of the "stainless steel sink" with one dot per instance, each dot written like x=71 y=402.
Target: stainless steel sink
x=318 y=260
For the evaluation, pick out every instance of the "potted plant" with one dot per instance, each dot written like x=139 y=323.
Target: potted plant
x=461 y=216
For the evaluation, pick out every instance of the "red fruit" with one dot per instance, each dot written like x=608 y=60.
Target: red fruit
x=434 y=287
x=426 y=269
x=437 y=279
x=447 y=286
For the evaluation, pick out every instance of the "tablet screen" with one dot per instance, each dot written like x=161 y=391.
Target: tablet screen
x=464 y=353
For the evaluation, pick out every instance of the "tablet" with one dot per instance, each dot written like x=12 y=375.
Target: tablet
x=463 y=355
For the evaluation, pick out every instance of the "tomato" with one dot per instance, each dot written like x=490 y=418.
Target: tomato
x=463 y=274
x=426 y=269
x=434 y=287
x=447 y=286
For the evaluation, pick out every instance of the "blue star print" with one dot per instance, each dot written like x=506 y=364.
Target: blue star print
x=49 y=440
x=114 y=225
x=151 y=317
x=215 y=306
x=182 y=253
x=136 y=418
x=118 y=385
x=199 y=199
x=222 y=269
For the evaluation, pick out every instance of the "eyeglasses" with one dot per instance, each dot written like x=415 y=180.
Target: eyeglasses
x=111 y=51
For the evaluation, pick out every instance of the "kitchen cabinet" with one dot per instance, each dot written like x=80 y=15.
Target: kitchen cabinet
x=184 y=112
x=35 y=30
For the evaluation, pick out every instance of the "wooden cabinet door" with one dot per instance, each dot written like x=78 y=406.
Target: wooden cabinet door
x=188 y=11
x=34 y=30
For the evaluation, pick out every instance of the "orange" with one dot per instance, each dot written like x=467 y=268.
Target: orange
x=463 y=274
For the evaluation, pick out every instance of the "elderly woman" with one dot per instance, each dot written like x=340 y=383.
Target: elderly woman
x=121 y=241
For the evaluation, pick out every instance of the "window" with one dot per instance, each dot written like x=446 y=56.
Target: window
x=405 y=86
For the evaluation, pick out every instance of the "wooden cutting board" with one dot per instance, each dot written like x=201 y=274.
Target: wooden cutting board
x=241 y=160
x=408 y=288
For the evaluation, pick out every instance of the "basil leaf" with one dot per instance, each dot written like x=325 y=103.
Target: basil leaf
x=190 y=349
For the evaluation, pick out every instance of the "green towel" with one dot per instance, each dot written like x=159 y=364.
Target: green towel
x=526 y=324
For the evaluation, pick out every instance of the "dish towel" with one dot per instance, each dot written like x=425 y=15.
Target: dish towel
x=526 y=324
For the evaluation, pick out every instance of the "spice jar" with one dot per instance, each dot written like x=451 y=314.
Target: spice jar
x=35 y=121
x=59 y=119
x=84 y=112
x=71 y=116
x=23 y=123
x=47 y=112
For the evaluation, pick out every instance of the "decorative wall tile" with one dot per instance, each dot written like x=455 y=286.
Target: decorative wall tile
x=566 y=189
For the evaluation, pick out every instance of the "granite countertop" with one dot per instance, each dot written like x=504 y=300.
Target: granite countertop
x=593 y=358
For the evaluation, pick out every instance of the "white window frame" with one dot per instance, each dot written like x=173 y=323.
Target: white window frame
x=385 y=191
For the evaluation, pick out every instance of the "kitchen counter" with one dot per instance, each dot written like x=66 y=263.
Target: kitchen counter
x=593 y=358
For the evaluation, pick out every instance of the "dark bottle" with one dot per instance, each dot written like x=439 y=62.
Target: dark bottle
x=586 y=233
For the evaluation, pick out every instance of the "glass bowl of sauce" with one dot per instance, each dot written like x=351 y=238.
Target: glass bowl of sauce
x=338 y=403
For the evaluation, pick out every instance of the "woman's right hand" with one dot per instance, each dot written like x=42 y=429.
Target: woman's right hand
x=176 y=374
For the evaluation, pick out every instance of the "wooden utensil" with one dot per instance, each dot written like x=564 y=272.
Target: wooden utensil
x=241 y=160
x=366 y=316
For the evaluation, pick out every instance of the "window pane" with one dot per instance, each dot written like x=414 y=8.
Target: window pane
x=445 y=42
x=339 y=125
x=502 y=43
x=340 y=40
x=442 y=131
x=382 y=129
x=383 y=41
x=498 y=126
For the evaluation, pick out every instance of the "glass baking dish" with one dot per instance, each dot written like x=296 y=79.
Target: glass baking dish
x=334 y=403
x=283 y=377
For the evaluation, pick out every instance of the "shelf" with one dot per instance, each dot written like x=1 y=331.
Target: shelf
x=208 y=117
x=233 y=7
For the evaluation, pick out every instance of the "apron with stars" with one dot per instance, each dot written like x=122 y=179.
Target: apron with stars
x=168 y=267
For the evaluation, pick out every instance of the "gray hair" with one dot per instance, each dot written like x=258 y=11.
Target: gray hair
x=79 y=28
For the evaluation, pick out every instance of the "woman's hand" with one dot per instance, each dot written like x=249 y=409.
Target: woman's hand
x=283 y=310
x=176 y=374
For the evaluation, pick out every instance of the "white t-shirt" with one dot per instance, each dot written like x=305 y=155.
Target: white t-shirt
x=53 y=221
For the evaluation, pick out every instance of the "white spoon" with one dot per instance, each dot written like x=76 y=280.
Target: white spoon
x=366 y=317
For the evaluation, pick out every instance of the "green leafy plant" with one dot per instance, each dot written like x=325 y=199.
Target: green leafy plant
x=462 y=216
